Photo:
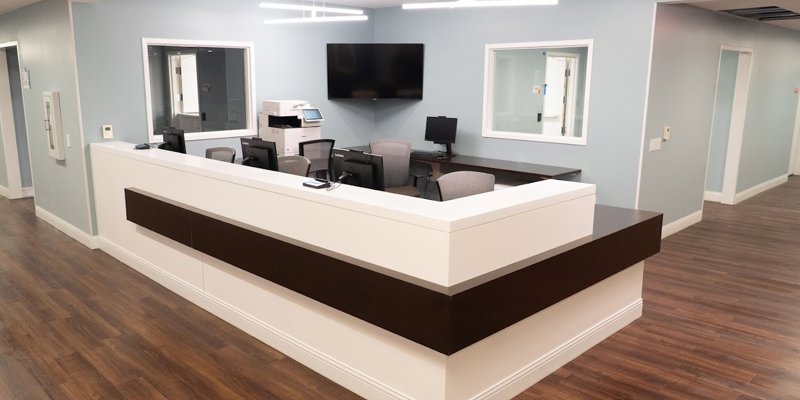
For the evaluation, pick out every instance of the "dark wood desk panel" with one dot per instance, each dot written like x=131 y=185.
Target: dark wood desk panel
x=503 y=166
x=444 y=322
x=533 y=172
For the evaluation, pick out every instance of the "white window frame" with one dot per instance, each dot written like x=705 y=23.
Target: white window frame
x=488 y=91
x=249 y=66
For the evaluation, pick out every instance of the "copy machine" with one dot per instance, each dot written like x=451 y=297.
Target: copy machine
x=289 y=122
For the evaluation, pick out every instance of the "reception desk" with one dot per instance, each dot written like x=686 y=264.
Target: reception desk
x=388 y=295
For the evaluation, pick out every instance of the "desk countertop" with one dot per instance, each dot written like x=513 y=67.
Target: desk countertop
x=543 y=171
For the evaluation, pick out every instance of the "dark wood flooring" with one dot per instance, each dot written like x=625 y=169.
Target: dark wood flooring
x=721 y=320
x=721 y=314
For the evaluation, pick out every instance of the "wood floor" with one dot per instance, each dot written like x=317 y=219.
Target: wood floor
x=721 y=320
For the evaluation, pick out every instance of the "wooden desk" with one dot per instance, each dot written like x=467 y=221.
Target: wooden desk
x=527 y=171
x=491 y=165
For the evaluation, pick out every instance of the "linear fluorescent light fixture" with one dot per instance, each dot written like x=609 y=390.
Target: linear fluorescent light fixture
x=316 y=19
x=298 y=7
x=478 y=3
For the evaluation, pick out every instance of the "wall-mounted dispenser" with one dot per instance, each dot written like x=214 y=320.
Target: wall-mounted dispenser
x=52 y=125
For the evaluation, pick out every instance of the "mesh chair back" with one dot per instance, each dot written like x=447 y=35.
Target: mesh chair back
x=295 y=165
x=464 y=183
x=226 y=154
x=319 y=152
x=396 y=160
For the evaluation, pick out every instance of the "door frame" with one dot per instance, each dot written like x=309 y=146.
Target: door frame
x=794 y=158
x=738 y=116
x=8 y=127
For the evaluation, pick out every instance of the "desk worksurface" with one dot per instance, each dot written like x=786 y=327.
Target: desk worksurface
x=493 y=165
x=540 y=171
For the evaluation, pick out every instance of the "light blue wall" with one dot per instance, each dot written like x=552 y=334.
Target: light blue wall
x=290 y=61
x=771 y=106
x=454 y=67
x=683 y=83
x=19 y=117
x=726 y=83
x=45 y=47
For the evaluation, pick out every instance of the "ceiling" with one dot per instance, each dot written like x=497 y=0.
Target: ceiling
x=720 y=5
x=7 y=6
x=714 y=5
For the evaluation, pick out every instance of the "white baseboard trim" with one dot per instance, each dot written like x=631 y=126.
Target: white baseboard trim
x=340 y=373
x=68 y=229
x=547 y=364
x=27 y=191
x=760 y=188
x=681 y=224
x=712 y=196
x=4 y=192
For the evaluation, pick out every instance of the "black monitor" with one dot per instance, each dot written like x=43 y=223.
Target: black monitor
x=358 y=168
x=259 y=153
x=173 y=140
x=441 y=130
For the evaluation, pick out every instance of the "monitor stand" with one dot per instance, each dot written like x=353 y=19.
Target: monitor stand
x=448 y=154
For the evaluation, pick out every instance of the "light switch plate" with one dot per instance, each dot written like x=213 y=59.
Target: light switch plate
x=666 y=133
x=108 y=132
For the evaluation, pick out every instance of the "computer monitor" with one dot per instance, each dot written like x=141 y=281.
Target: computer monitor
x=441 y=130
x=358 y=168
x=259 y=154
x=173 y=140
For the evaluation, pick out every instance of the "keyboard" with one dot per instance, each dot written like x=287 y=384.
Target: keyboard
x=425 y=155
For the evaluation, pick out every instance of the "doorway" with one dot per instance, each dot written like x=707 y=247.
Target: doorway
x=794 y=165
x=560 y=93
x=730 y=109
x=18 y=178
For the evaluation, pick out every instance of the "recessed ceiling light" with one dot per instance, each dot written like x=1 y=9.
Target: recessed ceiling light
x=317 y=19
x=298 y=7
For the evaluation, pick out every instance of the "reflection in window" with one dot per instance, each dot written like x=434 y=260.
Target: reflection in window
x=536 y=92
x=197 y=89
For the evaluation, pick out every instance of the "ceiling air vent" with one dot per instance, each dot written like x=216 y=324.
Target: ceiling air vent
x=771 y=13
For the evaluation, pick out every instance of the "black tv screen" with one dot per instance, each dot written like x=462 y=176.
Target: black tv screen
x=375 y=70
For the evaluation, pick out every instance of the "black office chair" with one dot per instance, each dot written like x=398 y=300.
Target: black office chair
x=319 y=152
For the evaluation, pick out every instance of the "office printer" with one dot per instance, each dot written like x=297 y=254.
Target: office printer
x=292 y=114
x=289 y=122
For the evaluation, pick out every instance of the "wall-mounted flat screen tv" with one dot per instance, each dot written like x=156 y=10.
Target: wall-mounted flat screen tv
x=375 y=70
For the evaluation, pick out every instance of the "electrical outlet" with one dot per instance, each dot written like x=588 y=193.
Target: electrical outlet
x=666 y=133
x=108 y=132
x=655 y=144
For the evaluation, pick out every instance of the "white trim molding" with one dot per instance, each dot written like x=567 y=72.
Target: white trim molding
x=644 y=112
x=560 y=356
x=4 y=192
x=339 y=372
x=28 y=191
x=738 y=117
x=488 y=130
x=681 y=224
x=8 y=132
x=760 y=188
x=67 y=228
x=712 y=196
